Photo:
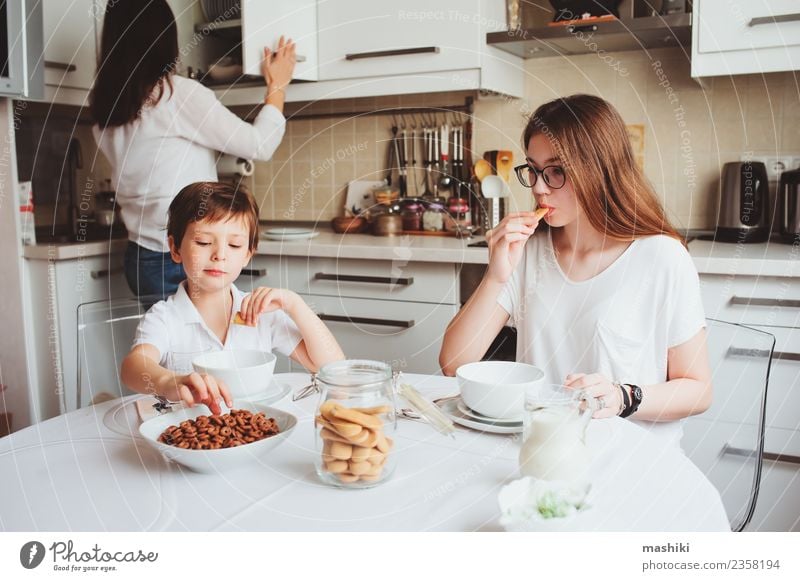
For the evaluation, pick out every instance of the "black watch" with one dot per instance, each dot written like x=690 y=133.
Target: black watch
x=636 y=400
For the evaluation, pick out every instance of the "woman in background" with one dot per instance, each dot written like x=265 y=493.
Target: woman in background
x=161 y=131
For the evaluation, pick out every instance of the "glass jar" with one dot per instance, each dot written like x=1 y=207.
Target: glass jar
x=433 y=218
x=355 y=423
x=458 y=208
x=412 y=217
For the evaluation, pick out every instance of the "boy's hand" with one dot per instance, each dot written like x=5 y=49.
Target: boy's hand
x=199 y=388
x=265 y=300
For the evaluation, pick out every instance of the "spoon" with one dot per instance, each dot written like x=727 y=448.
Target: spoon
x=445 y=181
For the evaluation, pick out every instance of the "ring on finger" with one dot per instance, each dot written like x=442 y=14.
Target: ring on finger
x=601 y=402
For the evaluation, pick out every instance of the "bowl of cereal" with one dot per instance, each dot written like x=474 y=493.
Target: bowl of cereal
x=213 y=444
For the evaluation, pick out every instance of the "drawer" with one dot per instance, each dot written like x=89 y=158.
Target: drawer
x=724 y=452
x=728 y=25
x=783 y=393
x=406 y=335
x=778 y=505
x=375 y=279
x=751 y=300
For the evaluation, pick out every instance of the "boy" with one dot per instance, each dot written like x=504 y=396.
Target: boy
x=213 y=231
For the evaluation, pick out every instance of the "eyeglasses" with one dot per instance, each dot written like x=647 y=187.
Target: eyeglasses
x=553 y=175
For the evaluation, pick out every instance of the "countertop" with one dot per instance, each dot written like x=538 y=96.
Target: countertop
x=763 y=259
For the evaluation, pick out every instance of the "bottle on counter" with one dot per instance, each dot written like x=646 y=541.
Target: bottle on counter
x=433 y=218
x=412 y=216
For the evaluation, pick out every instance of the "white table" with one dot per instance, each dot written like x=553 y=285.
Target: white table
x=82 y=471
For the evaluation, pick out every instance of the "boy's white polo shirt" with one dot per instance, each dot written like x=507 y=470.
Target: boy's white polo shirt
x=175 y=325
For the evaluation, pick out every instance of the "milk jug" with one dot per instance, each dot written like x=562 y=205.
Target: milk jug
x=553 y=444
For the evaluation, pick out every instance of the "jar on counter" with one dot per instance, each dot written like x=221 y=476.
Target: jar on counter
x=433 y=218
x=355 y=423
x=460 y=216
x=412 y=216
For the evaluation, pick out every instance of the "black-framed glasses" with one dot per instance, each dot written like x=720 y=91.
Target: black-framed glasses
x=554 y=175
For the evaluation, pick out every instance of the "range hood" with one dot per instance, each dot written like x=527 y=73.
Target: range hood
x=613 y=35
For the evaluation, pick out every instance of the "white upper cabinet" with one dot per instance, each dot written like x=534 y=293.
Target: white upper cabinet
x=731 y=37
x=70 y=47
x=263 y=23
x=366 y=39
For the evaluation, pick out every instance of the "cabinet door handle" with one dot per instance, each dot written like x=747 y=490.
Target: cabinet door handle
x=69 y=67
x=366 y=321
x=106 y=273
x=407 y=281
x=395 y=52
x=756 y=302
x=300 y=58
x=253 y=272
x=734 y=451
x=774 y=19
x=744 y=352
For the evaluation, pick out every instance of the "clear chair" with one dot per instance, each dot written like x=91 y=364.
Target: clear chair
x=106 y=330
x=727 y=441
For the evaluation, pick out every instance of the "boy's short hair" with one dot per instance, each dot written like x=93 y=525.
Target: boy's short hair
x=212 y=201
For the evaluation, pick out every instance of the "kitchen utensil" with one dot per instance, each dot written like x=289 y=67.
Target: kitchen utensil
x=445 y=178
x=743 y=214
x=427 y=409
x=394 y=155
x=413 y=150
x=403 y=161
x=427 y=151
x=494 y=187
x=436 y=163
x=505 y=164
x=222 y=459
x=348 y=224
x=482 y=169
x=789 y=206
x=467 y=411
x=246 y=372
x=497 y=389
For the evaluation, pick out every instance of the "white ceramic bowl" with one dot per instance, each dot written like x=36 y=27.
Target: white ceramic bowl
x=518 y=502
x=246 y=372
x=497 y=388
x=215 y=461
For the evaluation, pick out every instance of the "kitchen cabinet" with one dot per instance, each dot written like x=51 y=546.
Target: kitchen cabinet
x=732 y=37
x=393 y=311
x=55 y=290
x=771 y=304
x=384 y=48
x=70 y=47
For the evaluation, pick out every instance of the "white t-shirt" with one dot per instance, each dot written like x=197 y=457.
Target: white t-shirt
x=619 y=323
x=175 y=326
x=173 y=144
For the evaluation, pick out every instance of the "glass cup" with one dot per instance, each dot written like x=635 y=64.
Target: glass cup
x=554 y=428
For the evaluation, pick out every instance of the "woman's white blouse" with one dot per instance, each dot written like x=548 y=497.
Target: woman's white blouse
x=620 y=323
x=173 y=144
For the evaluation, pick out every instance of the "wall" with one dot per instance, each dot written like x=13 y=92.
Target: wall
x=690 y=131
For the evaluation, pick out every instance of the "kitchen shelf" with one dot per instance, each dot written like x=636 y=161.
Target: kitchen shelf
x=230 y=29
x=641 y=33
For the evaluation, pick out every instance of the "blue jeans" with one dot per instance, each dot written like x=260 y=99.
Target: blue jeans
x=151 y=275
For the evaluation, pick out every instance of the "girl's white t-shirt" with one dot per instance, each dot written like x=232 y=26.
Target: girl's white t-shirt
x=620 y=323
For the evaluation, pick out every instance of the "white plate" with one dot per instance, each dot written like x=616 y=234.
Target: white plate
x=450 y=409
x=288 y=234
x=468 y=411
x=276 y=392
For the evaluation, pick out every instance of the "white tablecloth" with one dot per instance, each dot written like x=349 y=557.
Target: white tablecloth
x=84 y=471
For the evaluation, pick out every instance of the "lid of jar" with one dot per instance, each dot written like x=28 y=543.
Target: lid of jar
x=355 y=373
x=436 y=204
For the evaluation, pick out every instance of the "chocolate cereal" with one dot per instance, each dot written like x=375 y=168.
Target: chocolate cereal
x=224 y=431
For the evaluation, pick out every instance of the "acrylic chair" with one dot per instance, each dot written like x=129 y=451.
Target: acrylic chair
x=727 y=441
x=106 y=330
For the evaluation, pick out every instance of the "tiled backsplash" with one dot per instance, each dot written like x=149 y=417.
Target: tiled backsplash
x=690 y=131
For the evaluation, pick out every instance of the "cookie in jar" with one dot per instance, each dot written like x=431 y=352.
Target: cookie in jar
x=355 y=424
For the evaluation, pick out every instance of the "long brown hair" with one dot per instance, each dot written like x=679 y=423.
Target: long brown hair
x=139 y=52
x=589 y=136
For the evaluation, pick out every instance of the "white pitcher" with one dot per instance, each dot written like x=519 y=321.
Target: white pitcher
x=553 y=444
